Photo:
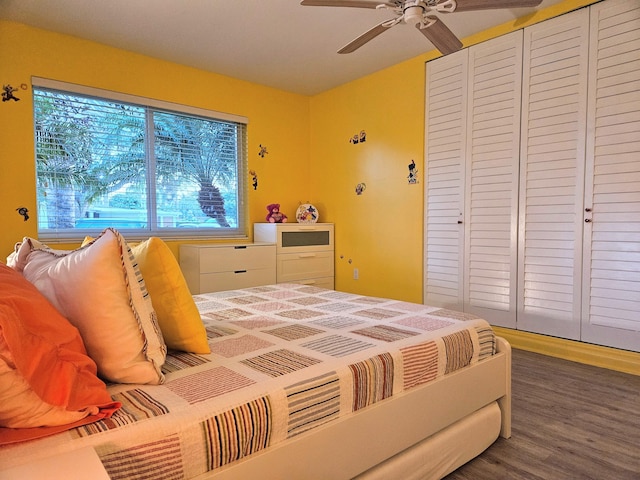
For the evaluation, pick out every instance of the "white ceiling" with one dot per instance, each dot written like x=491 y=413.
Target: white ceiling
x=277 y=43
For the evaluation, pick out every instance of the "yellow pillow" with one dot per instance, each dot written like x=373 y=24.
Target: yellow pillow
x=178 y=316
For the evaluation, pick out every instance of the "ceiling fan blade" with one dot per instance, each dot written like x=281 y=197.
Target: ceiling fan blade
x=366 y=37
x=470 y=5
x=343 y=3
x=440 y=35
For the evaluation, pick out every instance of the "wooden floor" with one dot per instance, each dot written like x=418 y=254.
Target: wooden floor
x=570 y=421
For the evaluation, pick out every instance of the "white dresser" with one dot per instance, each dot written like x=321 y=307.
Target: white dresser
x=304 y=251
x=224 y=266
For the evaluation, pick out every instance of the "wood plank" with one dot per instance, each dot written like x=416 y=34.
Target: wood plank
x=570 y=421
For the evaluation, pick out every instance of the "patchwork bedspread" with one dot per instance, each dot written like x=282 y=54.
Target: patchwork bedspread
x=285 y=358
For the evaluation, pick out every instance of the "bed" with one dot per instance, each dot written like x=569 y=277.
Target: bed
x=304 y=382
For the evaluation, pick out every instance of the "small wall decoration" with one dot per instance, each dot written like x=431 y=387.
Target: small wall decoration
x=24 y=212
x=413 y=173
x=274 y=215
x=7 y=93
x=359 y=138
x=361 y=187
x=307 y=213
x=255 y=179
x=263 y=151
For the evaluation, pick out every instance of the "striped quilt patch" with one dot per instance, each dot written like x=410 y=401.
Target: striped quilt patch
x=228 y=314
x=257 y=322
x=300 y=314
x=216 y=331
x=372 y=380
x=136 y=405
x=337 y=322
x=378 y=313
x=420 y=364
x=312 y=403
x=238 y=432
x=208 y=384
x=161 y=459
x=180 y=360
x=337 y=345
x=308 y=301
x=232 y=347
x=246 y=300
x=294 y=332
x=335 y=307
x=428 y=324
x=443 y=312
x=385 y=333
x=279 y=362
x=487 y=341
x=459 y=349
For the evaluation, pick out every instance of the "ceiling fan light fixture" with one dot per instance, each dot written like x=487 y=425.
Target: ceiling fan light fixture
x=414 y=15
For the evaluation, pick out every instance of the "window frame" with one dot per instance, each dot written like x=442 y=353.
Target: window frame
x=152 y=106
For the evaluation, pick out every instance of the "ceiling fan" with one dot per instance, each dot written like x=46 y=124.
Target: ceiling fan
x=416 y=12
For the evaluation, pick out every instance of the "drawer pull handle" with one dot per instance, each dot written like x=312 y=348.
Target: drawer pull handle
x=306 y=255
x=239 y=271
x=238 y=247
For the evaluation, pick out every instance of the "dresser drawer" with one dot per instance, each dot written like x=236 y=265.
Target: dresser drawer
x=209 y=268
x=296 y=237
x=299 y=266
x=239 y=257
x=215 y=282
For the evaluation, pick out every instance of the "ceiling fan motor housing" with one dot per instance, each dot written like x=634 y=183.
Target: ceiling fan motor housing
x=414 y=12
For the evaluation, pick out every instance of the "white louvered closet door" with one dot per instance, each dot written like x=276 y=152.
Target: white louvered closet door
x=552 y=156
x=444 y=192
x=611 y=285
x=492 y=151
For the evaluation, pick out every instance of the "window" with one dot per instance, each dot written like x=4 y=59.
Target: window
x=141 y=166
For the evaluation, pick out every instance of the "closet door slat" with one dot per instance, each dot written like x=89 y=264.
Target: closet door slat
x=446 y=111
x=552 y=159
x=493 y=135
x=611 y=269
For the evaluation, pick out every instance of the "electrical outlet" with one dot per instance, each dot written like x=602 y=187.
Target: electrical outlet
x=356 y=274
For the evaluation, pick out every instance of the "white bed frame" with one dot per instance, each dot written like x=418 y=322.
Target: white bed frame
x=426 y=432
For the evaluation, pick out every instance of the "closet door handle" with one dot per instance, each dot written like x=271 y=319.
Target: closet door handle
x=459 y=222
x=587 y=220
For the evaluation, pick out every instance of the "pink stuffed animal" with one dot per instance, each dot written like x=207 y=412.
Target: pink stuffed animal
x=274 y=214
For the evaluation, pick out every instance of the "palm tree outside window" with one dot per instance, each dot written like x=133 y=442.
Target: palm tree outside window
x=143 y=169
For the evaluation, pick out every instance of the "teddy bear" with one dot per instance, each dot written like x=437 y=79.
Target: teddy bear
x=275 y=216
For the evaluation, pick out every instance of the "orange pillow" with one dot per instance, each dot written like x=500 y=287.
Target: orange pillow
x=40 y=347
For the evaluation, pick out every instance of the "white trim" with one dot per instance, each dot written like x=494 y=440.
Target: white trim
x=136 y=100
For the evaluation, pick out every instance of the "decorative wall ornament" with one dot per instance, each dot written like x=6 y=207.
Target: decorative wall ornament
x=413 y=173
x=307 y=213
x=255 y=179
x=24 y=211
x=7 y=93
x=263 y=151
x=361 y=187
x=359 y=138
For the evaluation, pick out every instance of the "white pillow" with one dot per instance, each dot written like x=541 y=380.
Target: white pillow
x=100 y=290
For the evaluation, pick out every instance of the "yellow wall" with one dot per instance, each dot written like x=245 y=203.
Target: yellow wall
x=310 y=157
x=277 y=119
